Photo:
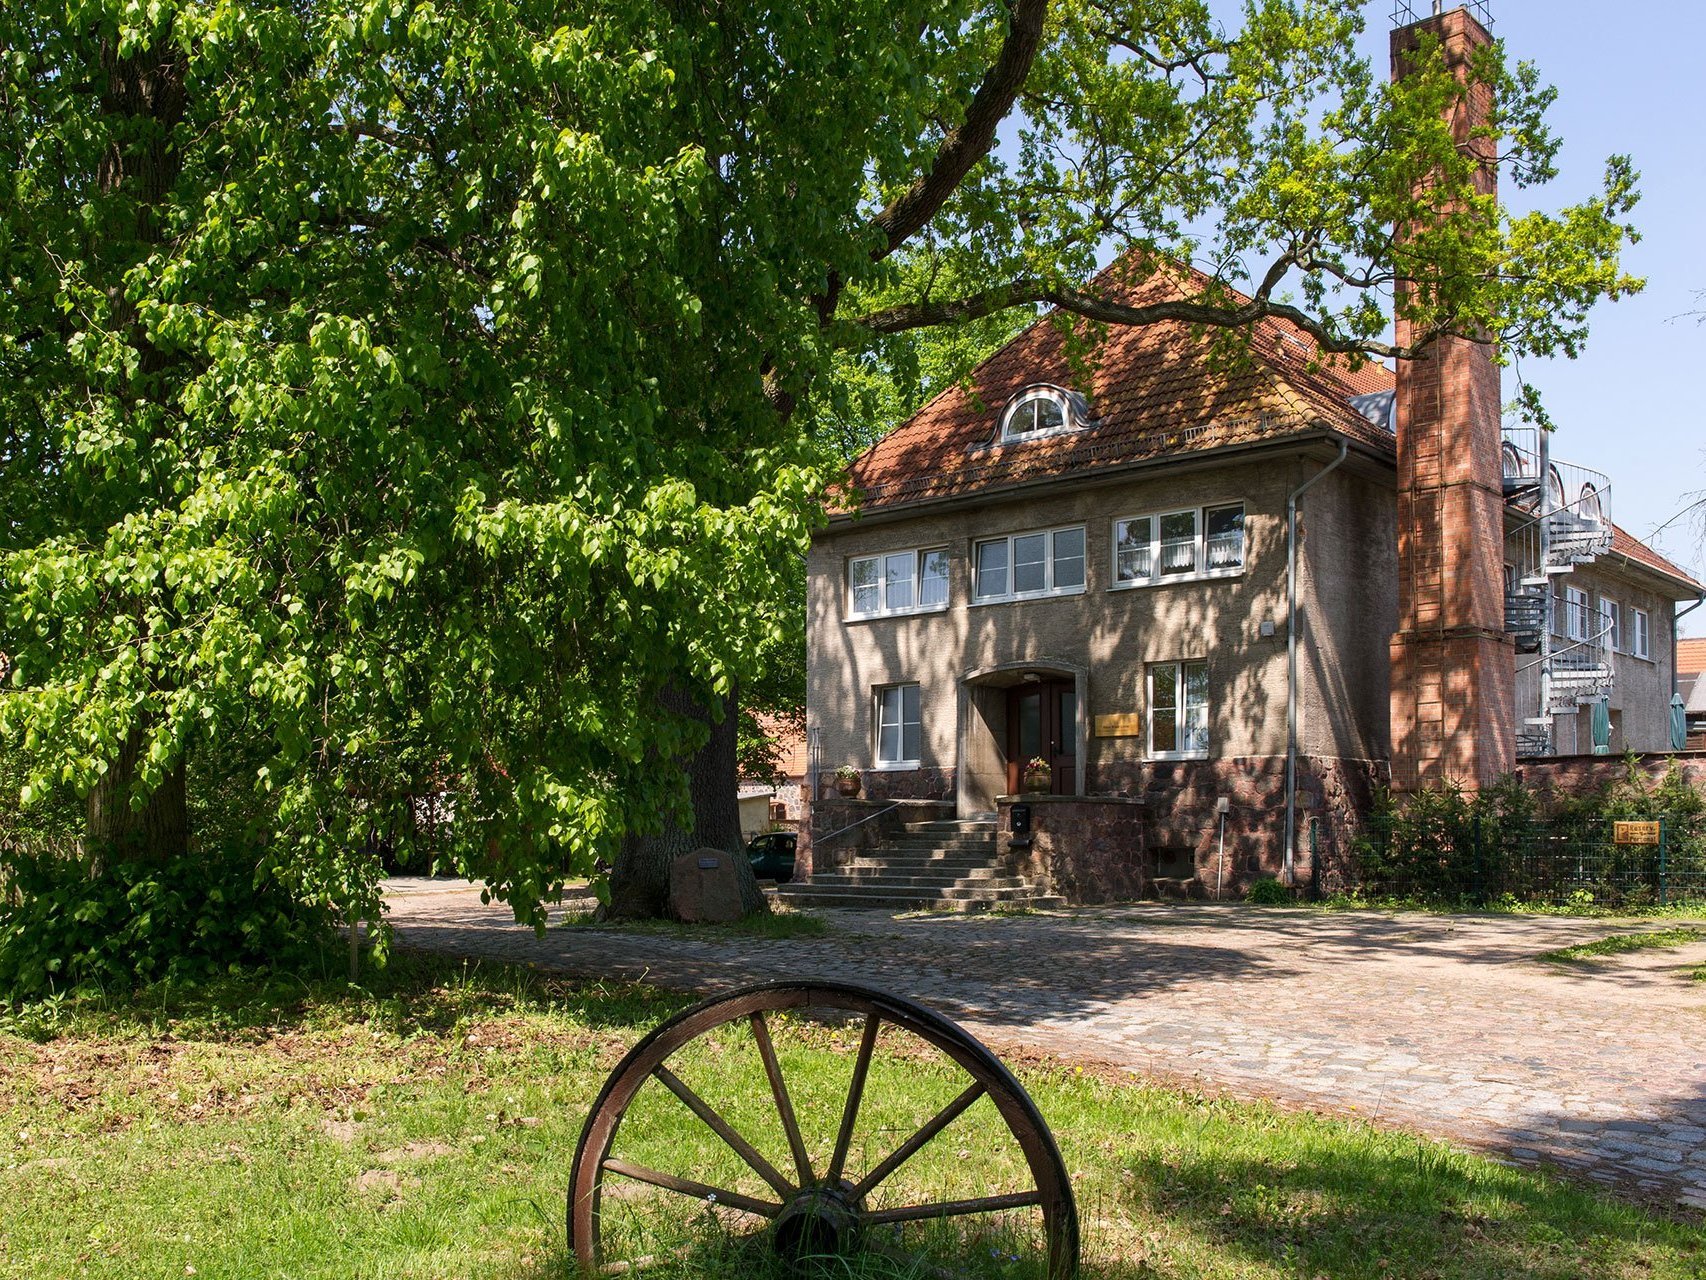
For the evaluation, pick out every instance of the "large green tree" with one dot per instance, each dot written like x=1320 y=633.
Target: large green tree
x=421 y=393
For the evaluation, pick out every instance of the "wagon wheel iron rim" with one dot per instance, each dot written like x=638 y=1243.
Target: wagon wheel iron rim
x=818 y=1208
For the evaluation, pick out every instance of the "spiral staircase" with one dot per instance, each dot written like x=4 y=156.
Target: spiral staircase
x=1557 y=518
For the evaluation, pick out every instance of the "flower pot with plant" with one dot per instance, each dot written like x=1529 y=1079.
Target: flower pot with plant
x=847 y=781
x=1039 y=776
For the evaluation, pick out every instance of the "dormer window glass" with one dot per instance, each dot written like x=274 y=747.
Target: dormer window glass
x=1038 y=411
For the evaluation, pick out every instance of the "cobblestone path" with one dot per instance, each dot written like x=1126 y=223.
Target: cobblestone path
x=1444 y=1025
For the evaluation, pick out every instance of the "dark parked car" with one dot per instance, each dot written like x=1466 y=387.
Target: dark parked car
x=773 y=856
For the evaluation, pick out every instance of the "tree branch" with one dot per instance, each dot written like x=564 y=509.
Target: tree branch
x=970 y=142
x=1031 y=290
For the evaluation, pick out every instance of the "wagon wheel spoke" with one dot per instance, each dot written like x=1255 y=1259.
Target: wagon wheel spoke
x=855 y=1094
x=931 y=1127
x=784 y=1105
x=955 y=1208
x=687 y=1187
x=721 y=1127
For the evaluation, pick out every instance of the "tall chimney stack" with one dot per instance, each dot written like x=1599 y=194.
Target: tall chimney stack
x=1453 y=666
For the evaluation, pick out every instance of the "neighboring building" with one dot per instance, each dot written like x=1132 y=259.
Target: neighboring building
x=782 y=794
x=1092 y=568
x=1691 y=686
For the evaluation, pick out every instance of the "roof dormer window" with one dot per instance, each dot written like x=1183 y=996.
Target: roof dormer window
x=1041 y=410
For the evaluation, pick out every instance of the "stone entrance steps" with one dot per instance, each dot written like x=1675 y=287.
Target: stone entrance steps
x=933 y=866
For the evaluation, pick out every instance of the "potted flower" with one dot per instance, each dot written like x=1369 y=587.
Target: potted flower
x=1039 y=776
x=848 y=781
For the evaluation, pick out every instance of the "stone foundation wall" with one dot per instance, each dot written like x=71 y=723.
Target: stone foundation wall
x=1087 y=849
x=889 y=785
x=1180 y=796
x=834 y=813
x=1583 y=775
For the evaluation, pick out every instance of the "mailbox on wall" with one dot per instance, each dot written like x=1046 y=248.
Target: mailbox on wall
x=1019 y=820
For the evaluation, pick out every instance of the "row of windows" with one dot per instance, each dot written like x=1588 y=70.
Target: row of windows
x=1169 y=546
x=1576 y=619
x=1176 y=724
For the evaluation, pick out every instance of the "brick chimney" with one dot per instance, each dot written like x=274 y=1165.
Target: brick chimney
x=1453 y=666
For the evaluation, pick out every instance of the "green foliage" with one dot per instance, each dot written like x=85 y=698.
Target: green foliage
x=1508 y=845
x=1269 y=892
x=187 y=921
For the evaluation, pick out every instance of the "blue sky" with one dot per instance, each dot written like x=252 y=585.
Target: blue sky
x=1629 y=79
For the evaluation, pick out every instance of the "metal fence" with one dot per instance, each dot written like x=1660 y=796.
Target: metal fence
x=1603 y=862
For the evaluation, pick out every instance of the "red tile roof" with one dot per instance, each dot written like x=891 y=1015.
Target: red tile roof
x=1690 y=656
x=1153 y=392
x=1624 y=543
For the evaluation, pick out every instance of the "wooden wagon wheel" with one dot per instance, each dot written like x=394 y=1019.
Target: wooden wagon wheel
x=827 y=1206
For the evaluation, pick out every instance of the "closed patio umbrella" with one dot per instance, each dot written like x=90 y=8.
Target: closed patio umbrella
x=1602 y=727
x=1678 y=723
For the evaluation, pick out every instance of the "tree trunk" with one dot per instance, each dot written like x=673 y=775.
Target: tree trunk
x=116 y=832
x=147 y=84
x=639 y=882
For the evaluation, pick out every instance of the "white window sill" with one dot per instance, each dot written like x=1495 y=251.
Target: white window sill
x=920 y=611
x=1168 y=756
x=1029 y=595
x=894 y=766
x=1212 y=575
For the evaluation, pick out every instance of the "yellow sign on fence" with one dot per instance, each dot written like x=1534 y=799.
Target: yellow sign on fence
x=1635 y=833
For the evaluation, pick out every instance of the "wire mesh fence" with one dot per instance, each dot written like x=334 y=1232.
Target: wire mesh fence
x=1479 y=860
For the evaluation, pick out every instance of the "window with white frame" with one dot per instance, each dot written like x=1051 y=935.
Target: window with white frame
x=899 y=731
x=1611 y=624
x=1641 y=633
x=1037 y=411
x=897 y=582
x=1178 y=709
x=1050 y=562
x=1172 y=546
x=1575 y=614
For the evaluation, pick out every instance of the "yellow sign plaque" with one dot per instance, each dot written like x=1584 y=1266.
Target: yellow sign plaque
x=1122 y=724
x=1635 y=833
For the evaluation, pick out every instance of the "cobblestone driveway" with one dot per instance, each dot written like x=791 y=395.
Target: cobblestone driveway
x=1443 y=1025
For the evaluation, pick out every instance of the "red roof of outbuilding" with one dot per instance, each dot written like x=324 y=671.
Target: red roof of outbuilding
x=1153 y=391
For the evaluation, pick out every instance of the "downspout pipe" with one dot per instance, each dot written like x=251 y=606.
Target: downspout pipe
x=1291 y=660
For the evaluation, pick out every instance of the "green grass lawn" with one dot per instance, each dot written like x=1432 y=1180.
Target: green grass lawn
x=424 y=1128
x=1622 y=943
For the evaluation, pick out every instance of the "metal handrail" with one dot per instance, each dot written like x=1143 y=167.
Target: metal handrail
x=817 y=840
x=1593 y=640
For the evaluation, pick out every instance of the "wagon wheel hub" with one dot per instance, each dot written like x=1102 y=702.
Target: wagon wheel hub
x=818 y=1221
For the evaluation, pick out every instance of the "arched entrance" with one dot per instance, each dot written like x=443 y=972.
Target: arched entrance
x=1012 y=713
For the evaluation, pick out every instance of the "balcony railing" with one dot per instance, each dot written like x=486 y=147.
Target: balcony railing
x=1575 y=490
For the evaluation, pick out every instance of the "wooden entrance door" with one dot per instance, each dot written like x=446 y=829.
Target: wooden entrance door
x=1042 y=720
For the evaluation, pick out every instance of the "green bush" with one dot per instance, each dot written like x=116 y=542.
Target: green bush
x=188 y=920
x=1508 y=844
x=1268 y=892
